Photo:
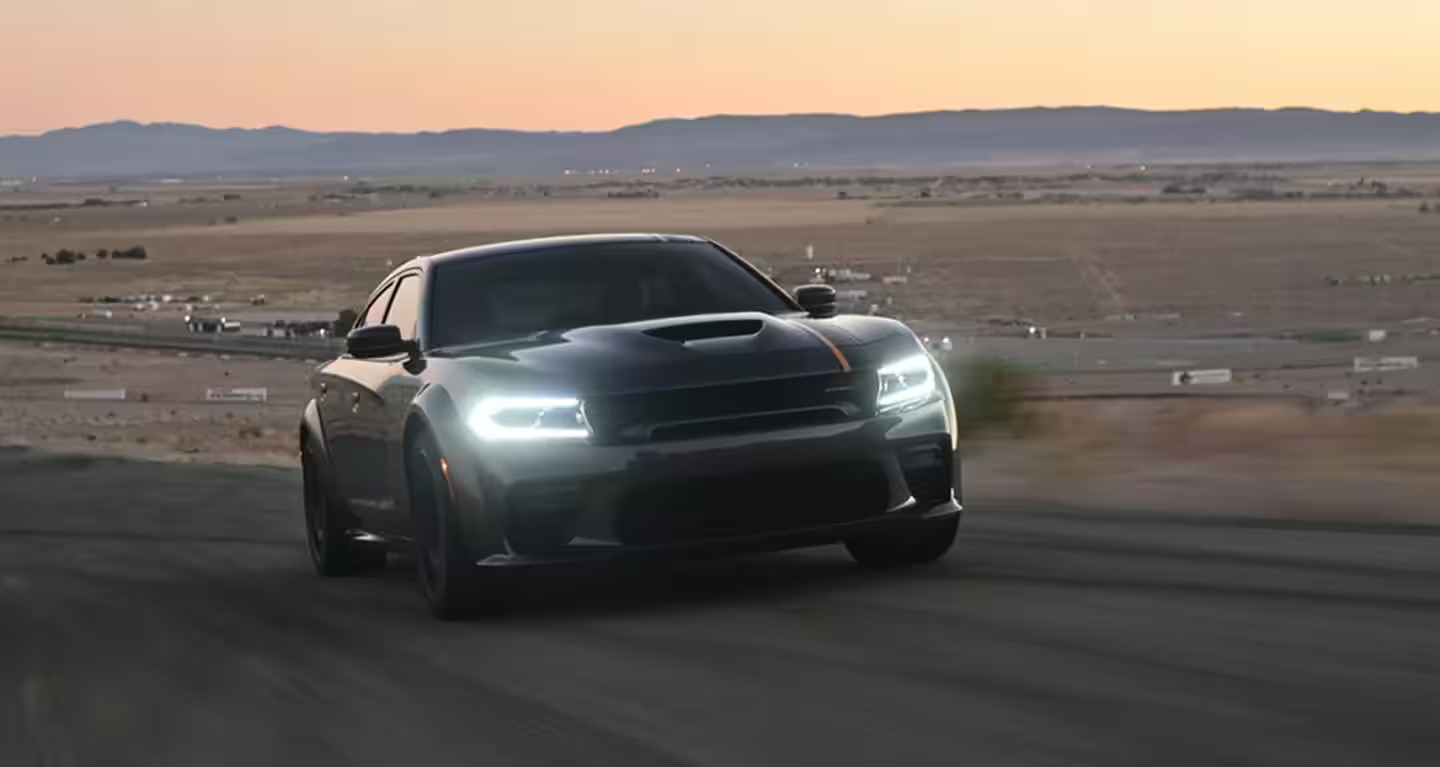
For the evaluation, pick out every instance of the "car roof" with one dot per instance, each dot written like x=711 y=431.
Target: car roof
x=545 y=243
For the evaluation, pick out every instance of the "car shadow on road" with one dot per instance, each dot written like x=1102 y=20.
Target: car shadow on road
x=658 y=586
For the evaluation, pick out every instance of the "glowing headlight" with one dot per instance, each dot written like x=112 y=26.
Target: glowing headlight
x=509 y=418
x=906 y=383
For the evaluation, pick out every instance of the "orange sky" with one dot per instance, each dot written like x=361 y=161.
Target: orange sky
x=597 y=64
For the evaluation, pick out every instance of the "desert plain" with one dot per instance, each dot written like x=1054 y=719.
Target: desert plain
x=1282 y=273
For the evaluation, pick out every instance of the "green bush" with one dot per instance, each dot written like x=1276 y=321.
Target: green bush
x=991 y=395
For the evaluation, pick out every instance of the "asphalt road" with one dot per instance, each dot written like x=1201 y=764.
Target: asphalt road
x=167 y=337
x=165 y=615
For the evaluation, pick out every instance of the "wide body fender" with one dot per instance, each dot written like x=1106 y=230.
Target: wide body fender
x=311 y=425
x=435 y=411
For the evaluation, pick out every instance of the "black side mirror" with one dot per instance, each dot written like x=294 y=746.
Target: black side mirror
x=818 y=300
x=376 y=341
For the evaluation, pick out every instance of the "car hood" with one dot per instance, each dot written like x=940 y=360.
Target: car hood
x=681 y=352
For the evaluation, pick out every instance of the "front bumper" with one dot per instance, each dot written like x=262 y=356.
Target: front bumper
x=549 y=502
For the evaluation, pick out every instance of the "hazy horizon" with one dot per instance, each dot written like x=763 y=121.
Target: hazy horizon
x=368 y=65
x=661 y=118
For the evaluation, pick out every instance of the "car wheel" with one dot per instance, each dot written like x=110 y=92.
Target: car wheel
x=331 y=551
x=448 y=579
x=909 y=544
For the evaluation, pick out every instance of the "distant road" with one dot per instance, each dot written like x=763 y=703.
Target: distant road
x=137 y=337
x=1077 y=368
x=1116 y=356
x=155 y=615
x=1106 y=356
x=1261 y=366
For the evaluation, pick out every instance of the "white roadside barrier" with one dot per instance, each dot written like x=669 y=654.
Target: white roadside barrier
x=1385 y=364
x=1201 y=377
x=253 y=394
x=95 y=394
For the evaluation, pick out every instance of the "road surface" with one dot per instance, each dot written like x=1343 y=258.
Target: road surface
x=155 y=615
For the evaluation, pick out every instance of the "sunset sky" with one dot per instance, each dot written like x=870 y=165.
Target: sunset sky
x=598 y=64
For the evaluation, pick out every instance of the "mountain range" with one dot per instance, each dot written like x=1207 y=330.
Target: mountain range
x=732 y=142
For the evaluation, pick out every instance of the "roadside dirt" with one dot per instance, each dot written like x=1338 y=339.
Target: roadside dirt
x=165 y=414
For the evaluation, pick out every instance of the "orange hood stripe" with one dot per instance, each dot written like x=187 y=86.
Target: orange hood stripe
x=835 y=350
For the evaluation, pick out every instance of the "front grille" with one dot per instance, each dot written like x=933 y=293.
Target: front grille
x=752 y=503
x=730 y=408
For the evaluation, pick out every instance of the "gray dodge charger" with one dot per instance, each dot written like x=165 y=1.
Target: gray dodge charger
x=578 y=398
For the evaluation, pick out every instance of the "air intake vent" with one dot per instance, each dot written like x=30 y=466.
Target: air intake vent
x=700 y=331
x=929 y=471
x=751 y=503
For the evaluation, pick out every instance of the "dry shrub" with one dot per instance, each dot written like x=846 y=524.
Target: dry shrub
x=188 y=442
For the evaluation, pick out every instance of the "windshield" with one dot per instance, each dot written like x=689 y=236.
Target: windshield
x=506 y=296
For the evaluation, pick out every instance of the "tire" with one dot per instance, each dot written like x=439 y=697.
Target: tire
x=908 y=545
x=326 y=533
x=448 y=577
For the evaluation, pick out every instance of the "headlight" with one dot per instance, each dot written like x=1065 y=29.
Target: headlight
x=905 y=384
x=510 y=418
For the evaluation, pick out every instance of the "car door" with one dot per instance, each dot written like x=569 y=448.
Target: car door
x=341 y=413
x=387 y=387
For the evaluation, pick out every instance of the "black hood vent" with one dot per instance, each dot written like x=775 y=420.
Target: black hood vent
x=702 y=331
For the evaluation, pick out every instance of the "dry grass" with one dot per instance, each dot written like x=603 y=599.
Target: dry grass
x=1220 y=459
x=561 y=216
x=165 y=415
x=1260 y=437
x=1263 y=261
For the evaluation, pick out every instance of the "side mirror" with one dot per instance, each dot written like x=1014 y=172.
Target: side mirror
x=818 y=300
x=377 y=341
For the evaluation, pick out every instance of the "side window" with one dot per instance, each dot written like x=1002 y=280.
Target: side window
x=406 y=307
x=375 y=312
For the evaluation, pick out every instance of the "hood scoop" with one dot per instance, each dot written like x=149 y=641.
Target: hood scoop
x=703 y=331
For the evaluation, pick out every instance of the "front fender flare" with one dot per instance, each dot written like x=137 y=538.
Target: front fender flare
x=311 y=425
x=434 y=410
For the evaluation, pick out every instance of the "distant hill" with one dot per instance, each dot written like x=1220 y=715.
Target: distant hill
x=729 y=143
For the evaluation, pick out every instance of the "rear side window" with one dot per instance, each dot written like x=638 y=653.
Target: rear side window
x=405 y=308
x=375 y=312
